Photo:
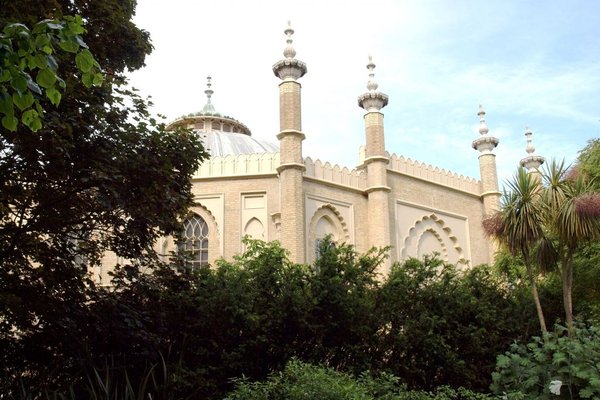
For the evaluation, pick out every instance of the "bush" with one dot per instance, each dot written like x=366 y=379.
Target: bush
x=561 y=367
x=300 y=381
x=442 y=326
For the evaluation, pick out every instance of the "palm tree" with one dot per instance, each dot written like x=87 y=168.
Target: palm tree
x=572 y=218
x=519 y=226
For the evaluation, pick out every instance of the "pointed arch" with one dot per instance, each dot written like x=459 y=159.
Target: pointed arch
x=326 y=220
x=431 y=234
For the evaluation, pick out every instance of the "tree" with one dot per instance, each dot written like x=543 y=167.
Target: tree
x=100 y=175
x=588 y=162
x=572 y=219
x=519 y=226
x=548 y=222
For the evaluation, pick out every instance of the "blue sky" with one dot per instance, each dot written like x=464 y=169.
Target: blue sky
x=534 y=63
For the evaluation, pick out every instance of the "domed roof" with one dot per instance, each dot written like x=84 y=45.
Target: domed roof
x=220 y=144
x=222 y=135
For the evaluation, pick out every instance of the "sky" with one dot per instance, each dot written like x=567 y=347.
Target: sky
x=529 y=63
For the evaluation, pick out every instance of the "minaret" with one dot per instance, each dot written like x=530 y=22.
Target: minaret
x=290 y=136
x=376 y=161
x=532 y=162
x=487 y=169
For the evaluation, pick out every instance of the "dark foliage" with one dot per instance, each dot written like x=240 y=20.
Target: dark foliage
x=101 y=175
x=441 y=326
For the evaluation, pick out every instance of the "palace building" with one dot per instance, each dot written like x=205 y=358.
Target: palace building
x=275 y=192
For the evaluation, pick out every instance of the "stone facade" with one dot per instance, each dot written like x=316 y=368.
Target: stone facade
x=387 y=200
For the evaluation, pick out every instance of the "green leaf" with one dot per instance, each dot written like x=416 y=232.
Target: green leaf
x=31 y=85
x=46 y=78
x=46 y=23
x=54 y=96
x=52 y=64
x=23 y=101
x=6 y=105
x=69 y=45
x=41 y=61
x=98 y=78
x=15 y=28
x=84 y=60
x=32 y=119
x=87 y=79
x=5 y=75
x=10 y=122
x=19 y=83
x=42 y=40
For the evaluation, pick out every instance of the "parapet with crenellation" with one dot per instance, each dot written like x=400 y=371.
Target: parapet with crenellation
x=334 y=174
x=433 y=174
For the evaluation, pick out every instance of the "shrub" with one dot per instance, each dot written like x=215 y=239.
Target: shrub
x=301 y=381
x=562 y=367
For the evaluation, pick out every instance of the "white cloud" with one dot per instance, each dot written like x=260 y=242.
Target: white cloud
x=436 y=61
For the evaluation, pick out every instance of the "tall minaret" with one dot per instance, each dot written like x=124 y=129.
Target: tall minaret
x=291 y=169
x=532 y=162
x=376 y=162
x=487 y=169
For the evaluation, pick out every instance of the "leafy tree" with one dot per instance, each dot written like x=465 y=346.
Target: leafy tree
x=588 y=162
x=100 y=175
x=24 y=52
x=571 y=220
x=519 y=226
x=551 y=220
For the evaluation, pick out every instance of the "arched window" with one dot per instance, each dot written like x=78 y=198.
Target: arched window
x=324 y=228
x=193 y=241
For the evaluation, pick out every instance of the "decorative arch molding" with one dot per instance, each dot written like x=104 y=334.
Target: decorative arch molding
x=208 y=216
x=333 y=217
x=447 y=243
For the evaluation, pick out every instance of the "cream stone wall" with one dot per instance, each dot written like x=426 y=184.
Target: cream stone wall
x=348 y=203
x=423 y=231
x=447 y=201
x=237 y=209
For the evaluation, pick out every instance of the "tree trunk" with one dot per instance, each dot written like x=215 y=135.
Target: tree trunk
x=536 y=297
x=567 y=286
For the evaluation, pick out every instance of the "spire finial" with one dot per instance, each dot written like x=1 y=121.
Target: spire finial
x=484 y=144
x=372 y=100
x=371 y=85
x=289 y=51
x=208 y=107
x=289 y=68
x=529 y=149
x=531 y=162
x=483 y=128
x=209 y=92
